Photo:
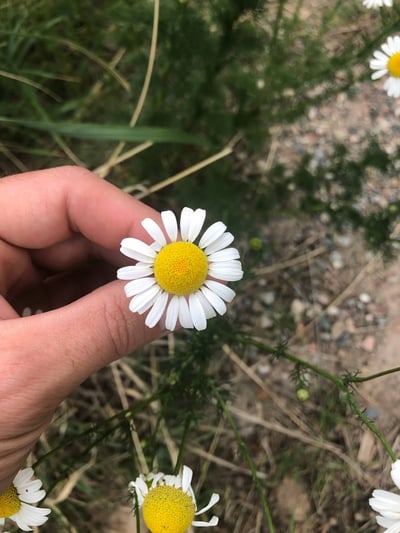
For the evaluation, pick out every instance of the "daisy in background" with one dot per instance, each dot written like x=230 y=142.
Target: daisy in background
x=377 y=3
x=387 y=61
x=177 y=277
x=168 y=502
x=387 y=504
x=14 y=502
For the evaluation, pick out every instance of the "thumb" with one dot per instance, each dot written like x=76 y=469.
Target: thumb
x=59 y=349
x=44 y=357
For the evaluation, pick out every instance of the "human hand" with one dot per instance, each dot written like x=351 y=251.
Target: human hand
x=60 y=232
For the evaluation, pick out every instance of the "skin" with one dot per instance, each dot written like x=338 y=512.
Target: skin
x=60 y=231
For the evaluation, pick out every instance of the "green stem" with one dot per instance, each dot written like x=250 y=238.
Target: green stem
x=186 y=429
x=342 y=383
x=369 y=424
x=362 y=379
x=247 y=457
x=293 y=358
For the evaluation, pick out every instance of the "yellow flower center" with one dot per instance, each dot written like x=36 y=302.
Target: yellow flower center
x=167 y=509
x=9 y=502
x=181 y=268
x=393 y=65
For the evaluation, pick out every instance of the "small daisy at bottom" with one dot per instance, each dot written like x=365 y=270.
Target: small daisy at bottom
x=14 y=501
x=168 y=502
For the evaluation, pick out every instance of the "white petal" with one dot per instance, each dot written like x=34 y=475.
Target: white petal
x=386 y=48
x=392 y=85
x=222 y=242
x=185 y=318
x=185 y=220
x=223 y=291
x=395 y=473
x=155 y=479
x=141 y=302
x=172 y=313
x=197 y=313
x=392 y=525
x=134 y=271
x=378 y=64
x=22 y=477
x=212 y=234
x=386 y=503
x=171 y=481
x=217 y=302
x=140 y=488
x=213 y=500
x=207 y=307
x=32 y=486
x=137 y=286
x=156 y=313
x=378 y=74
x=224 y=255
x=29 y=516
x=187 y=474
x=196 y=224
x=170 y=224
x=154 y=230
x=211 y=523
x=32 y=497
x=138 y=250
x=391 y=46
x=226 y=272
x=381 y=56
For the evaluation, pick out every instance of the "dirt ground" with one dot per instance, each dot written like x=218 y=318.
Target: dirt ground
x=345 y=302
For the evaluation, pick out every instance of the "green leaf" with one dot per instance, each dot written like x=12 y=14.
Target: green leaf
x=110 y=132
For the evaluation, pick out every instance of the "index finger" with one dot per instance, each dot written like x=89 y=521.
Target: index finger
x=39 y=209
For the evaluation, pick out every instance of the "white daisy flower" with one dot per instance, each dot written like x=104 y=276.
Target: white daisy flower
x=387 y=61
x=377 y=3
x=387 y=504
x=14 y=501
x=168 y=502
x=175 y=276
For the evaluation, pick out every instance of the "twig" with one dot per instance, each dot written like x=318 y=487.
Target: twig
x=188 y=171
x=290 y=262
x=247 y=457
x=125 y=404
x=223 y=462
x=112 y=161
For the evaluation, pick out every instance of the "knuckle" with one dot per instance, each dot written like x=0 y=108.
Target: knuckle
x=118 y=332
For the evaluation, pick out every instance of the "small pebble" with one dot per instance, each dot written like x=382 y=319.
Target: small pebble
x=345 y=241
x=333 y=310
x=263 y=369
x=338 y=329
x=350 y=326
x=324 y=324
x=298 y=307
x=266 y=322
x=372 y=413
x=323 y=298
x=365 y=298
x=268 y=298
x=344 y=340
x=368 y=344
x=336 y=260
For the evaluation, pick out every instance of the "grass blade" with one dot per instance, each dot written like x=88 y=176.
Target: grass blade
x=110 y=132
